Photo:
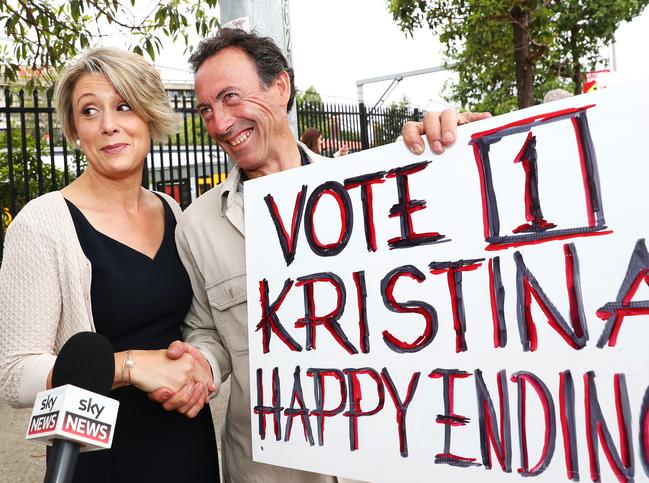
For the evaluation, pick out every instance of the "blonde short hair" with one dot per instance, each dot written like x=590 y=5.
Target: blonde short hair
x=135 y=79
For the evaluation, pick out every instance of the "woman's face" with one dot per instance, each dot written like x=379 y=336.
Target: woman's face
x=114 y=139
x=318 y=144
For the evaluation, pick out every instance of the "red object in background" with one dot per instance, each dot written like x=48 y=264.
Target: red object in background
x=173 y=191
x=596 y=80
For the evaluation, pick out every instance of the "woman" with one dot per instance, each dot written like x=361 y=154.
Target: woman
x=312 y=139
x=100 y=255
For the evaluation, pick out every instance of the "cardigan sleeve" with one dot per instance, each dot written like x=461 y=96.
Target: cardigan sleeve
x=175 y=207
x=30 y=311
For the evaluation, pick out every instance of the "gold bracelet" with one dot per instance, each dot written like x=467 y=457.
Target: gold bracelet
x=130 y=364
x=123 y=381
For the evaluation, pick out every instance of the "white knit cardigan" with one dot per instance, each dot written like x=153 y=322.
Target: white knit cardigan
x=44 y=295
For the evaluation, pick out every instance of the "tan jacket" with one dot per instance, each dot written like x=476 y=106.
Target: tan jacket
x=44 y=295
x=210 y=238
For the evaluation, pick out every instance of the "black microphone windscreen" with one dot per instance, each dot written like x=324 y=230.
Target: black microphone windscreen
x=87 y=361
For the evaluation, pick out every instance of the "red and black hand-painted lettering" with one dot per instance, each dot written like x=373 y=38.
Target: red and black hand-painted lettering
x=522 y=378
x=361 y=299
x=528 y=288
x=615 y=312
x=310 y=320
x=401 y=406
x=406 y=207
x=450 y=418
x=497 y=300
x=453 y=271
x=297 y=397
x=495 y=427
x=365 y=182
x=275 y=409
x=568 y=428
x=355 y=398
x=501 y=441
x=596 y=429
x=533 y=213
x=644 y=432
x=269 y=321
x=537 y=229
x=287 y=241
x=411 y=306
x=320 y=412
x=338 y=192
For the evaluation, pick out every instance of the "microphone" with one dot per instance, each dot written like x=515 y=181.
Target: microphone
x=75 y=415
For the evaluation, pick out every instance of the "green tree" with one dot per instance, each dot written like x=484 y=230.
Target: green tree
x=508 y=53
x=39 y=175
x=309 y=96
x=585 y=26
x=387 y=128
x=311 y=111
x=44 y=34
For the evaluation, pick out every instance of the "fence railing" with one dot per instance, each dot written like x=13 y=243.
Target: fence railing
x=35 y=158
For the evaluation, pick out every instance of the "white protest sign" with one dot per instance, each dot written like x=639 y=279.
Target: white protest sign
x=483 y=314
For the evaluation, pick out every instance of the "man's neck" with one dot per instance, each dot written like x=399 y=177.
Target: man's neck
x=285 y=155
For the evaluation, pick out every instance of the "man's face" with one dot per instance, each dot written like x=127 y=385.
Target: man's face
x=240 y=113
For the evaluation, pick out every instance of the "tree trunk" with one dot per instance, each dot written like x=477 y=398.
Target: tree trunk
x=576 y=66
x=523 y=57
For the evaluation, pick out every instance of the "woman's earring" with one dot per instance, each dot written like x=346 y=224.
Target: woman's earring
x=78 y=143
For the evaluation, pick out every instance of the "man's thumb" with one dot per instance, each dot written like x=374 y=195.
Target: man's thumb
x=176 y=349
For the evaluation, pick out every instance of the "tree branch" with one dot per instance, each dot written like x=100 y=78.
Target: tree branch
x=113 y=18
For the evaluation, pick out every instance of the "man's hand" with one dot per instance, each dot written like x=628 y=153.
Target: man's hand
x=192 y=397
x=440 y=129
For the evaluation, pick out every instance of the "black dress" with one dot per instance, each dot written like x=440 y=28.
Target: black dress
x=139 y=303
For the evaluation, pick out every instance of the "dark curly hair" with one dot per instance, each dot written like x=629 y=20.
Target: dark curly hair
x=263 y=51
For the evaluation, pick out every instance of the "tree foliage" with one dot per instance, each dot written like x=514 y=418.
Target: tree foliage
x=44 y=34
x=29 y=176
x=387 y=128
x=310 y=111
x=508 y=53
x=309 y=96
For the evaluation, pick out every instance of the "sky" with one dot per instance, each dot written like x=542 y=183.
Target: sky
x=337 y=42
x=358 y=39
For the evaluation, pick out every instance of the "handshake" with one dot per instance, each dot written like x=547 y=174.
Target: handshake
x=178 y=377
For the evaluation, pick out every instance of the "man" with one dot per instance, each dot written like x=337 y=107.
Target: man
x=244 y=88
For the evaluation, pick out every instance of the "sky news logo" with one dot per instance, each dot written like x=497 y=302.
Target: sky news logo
x=86 y=427
x=43 y=423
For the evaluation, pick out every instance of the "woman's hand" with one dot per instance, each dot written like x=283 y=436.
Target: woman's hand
x=153 y=370
x=343 y=151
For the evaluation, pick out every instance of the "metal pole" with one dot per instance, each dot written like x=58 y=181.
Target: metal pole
x=365 y=139
x=399 y=75
x=270 y=18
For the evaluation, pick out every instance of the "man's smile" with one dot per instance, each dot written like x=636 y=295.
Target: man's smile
x=240 y=138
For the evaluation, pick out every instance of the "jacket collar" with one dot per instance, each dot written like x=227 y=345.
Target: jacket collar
x=230 y=187
x=232 y=199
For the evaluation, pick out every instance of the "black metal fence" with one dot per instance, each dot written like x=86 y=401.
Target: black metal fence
x=354 y=124
x=35 y=158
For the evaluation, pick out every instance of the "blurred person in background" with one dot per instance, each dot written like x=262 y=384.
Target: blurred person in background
x=556 y=95
x=312 y=139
